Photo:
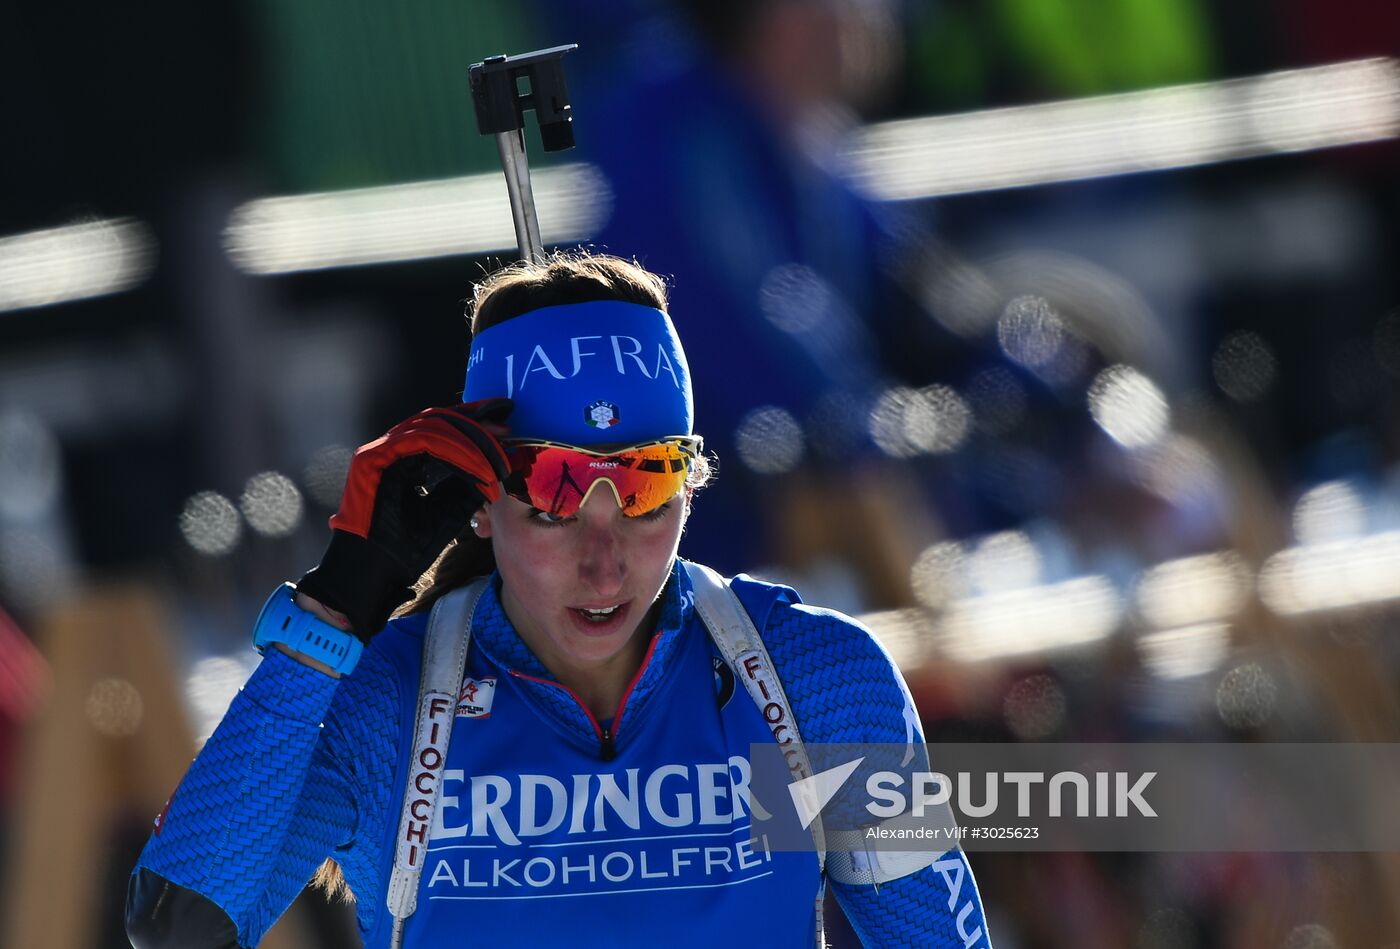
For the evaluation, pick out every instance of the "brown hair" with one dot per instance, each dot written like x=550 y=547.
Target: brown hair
x=563 y=277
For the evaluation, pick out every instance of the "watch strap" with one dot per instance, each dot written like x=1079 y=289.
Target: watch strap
x=282 y=621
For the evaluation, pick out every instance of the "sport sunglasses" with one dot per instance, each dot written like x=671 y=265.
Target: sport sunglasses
x=559 y=478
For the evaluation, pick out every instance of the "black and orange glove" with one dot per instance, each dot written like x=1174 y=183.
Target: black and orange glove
x=409 y=493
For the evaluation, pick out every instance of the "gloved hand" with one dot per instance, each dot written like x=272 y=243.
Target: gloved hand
x=408 y=494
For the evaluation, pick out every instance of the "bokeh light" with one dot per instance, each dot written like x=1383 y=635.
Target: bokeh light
x=769 y=440
x=1165 y=127
x=1128 y=406
x=325 y=474
x=796 y=299
x=210 y=524
x=938 y=574
x=81 y=260
x=1310 y=936
x=114 y=707
x=887 y=423
x=271 y=504
x=210 y=687
x=409 y=221
x=903 y=633
x=1004 y=561
x=1244 y=366
x=1031 y=621
x=1330 y=511
x=1030 y=331
x=1193 y=590
x=1034 y=707
x=1246 y=696
x=1336 y=575
x=936 y=420
x=1184 y=652
x=909 y=422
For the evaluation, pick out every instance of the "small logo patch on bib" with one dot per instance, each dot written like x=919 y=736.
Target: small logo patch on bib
x=474 y=701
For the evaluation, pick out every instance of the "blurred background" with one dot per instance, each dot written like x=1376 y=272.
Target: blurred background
x=1057 y=339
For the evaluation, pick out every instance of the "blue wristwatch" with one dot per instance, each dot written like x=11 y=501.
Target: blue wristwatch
x=282 y=621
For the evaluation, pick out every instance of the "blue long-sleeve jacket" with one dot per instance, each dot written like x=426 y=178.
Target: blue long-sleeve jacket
x=551 y=825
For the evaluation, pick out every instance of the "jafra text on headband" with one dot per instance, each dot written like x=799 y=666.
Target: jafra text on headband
x=586 y=374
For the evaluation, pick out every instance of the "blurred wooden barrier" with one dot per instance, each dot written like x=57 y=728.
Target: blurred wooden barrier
x=111 y=740
x=871 y=521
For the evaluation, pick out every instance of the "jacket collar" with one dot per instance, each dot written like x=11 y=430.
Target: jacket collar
x=500 y=643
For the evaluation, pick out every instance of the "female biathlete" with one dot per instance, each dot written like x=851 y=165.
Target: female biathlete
x=594 y=787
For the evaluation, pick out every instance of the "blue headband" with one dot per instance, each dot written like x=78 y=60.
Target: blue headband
x=586 y=374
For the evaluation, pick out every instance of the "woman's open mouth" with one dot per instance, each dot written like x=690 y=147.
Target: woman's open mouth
x=599 y=619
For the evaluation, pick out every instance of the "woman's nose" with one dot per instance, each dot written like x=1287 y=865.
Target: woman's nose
x=601 y=562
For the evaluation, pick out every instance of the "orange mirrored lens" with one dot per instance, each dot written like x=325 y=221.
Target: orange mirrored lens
x=557 y=478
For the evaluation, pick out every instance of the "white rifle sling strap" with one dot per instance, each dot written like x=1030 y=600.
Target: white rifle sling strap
x=444 y=664
x=738 y=641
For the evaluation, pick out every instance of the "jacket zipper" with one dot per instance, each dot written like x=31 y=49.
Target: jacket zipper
x=607 y=749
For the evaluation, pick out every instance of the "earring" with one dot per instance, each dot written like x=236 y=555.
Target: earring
x=475 y=523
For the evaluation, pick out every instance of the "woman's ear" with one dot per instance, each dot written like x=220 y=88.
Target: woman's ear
x=481 y=522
